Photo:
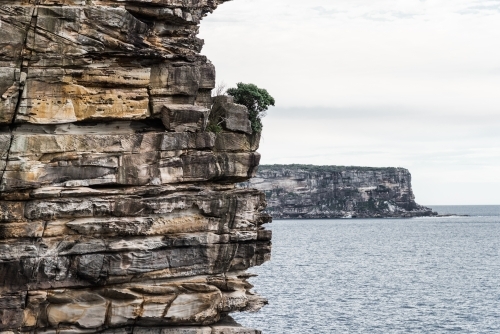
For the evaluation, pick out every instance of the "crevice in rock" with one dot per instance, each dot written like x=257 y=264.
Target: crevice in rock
x=45 y=224
x=6 y=160
x=24 y=68
x=22 y=81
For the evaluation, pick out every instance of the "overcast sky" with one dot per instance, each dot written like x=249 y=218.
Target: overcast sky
x=402 y=83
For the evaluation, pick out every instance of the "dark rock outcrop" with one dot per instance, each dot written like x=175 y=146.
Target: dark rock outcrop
x=118 y=211
x=307 y=191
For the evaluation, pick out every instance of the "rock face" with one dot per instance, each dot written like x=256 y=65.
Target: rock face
x=307 y=191
x=118 y=211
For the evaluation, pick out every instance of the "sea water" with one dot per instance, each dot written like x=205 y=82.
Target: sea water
x=420 y=275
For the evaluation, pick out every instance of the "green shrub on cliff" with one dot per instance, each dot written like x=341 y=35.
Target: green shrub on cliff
x=256 y=99
x=213 y=127
x=325 y=169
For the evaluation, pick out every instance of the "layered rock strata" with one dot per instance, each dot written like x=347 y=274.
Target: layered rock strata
x=307 y=191
x=118 y=210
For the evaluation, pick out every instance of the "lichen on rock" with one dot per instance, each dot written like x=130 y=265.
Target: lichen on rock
x=118 y=210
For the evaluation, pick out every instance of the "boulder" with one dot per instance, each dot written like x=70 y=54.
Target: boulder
x=232 y=116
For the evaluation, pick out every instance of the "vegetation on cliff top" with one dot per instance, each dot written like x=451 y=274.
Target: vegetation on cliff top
x=256 y=99
x=325 y=169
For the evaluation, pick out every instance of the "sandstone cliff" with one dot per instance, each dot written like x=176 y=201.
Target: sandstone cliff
x=118 y=211
x=307 y=191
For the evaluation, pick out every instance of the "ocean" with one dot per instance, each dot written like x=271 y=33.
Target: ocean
x=420 y=275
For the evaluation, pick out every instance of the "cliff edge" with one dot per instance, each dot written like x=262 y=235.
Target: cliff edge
x=118 y=210
x=308 y=191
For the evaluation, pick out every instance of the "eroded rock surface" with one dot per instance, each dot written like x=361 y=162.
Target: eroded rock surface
x=118 y=210
x=307 y=191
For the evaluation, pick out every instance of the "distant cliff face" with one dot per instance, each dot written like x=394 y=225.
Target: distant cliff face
x=306 y=191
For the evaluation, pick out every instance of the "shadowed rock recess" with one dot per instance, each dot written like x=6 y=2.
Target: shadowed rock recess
x=118 y=211
x=308 y=191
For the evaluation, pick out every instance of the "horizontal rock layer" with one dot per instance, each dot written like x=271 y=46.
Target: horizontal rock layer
x=126 y=159
x=307 y=191
x=120 y=250
x=118 y=210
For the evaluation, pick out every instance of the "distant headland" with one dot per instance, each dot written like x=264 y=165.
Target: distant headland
x=311 y=192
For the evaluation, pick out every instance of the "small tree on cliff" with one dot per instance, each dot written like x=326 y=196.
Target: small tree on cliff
x=256 y=99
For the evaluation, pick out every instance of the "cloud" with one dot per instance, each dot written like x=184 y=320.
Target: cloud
x=482 y=7
x=378 y=83
x=322 y=11
x=389 y=16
